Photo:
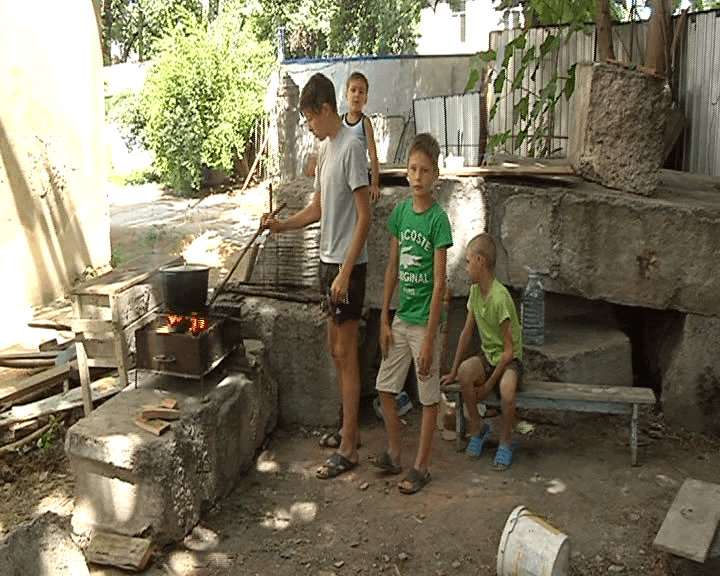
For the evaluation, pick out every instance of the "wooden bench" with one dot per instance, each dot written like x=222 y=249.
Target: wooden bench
x=565 y=396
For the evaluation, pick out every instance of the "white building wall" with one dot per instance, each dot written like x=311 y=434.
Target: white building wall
x=440 y=28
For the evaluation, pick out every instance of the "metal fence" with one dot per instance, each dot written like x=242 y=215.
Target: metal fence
x=455 y=120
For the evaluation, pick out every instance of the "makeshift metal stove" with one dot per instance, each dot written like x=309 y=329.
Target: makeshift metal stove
x=187 y=345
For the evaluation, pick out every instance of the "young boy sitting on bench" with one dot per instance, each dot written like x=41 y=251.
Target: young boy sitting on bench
x=499 y=365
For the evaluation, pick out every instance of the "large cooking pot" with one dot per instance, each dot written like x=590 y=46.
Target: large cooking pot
x=185 y=287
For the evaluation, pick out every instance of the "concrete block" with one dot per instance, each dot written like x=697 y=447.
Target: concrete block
x=599 y=244
x=618 y=125
x=581 y=351
x=297 y=358
x=131 y=482
x=42 y=546
x=690 y=370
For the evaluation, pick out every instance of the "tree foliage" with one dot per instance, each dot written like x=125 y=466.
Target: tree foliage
x=131 y=28
x=202 y=96
x=341 y=27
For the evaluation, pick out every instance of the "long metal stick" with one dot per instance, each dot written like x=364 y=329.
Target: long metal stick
x=242 y=254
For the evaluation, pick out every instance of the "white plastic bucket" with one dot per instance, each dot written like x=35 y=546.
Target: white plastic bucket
x=529 y=546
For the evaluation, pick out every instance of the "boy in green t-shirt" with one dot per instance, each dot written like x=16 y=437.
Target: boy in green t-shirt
x=499 y=365
x=417 y=261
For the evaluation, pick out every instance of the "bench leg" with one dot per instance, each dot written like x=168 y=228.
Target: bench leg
x=459 y=422
x=633 y=435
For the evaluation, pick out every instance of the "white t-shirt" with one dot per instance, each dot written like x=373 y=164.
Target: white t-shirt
x=341 y=169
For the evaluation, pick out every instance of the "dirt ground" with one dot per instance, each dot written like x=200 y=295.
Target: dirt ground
x=571 y=469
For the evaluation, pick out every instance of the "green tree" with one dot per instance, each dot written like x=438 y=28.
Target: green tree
x=342 y=27
x=202 y=96
x=133 y=27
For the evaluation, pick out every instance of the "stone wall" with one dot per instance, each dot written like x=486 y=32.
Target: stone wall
x=600 y=250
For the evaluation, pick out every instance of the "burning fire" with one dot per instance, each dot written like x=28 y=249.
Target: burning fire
x=192 y=323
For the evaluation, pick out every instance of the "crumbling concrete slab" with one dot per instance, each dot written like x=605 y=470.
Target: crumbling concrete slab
x=618 y=126
x=133 y=483
x=42 y=546
x=690 y=369
x=599 y=244
x=581 y=351
x=298 y=358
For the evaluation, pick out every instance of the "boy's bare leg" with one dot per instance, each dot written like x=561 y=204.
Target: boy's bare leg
x=427 y=430
x=343 y=340
x=508 y=387
x=392 y=425
x=470 y=372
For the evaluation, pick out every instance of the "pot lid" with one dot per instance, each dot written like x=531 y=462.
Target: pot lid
x=185 y=268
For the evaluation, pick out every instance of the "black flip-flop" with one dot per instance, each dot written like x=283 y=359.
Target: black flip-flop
x=385 y=462
x=335 y=465
x=417 y=480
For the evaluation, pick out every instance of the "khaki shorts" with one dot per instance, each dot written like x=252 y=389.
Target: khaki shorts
x=407 y=342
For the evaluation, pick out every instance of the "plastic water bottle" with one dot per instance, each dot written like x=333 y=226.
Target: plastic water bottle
x=532 y=311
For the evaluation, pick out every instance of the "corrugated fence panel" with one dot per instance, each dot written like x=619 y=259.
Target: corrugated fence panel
x=698 y=83
x=454 y=121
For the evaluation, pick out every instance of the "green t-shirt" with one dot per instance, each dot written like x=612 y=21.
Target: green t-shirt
x=489 y=315
x=419 y=235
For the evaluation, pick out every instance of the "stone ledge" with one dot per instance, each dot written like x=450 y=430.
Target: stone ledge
x=131 y=482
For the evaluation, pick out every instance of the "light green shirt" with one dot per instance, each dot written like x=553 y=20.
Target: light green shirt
x=489 y=316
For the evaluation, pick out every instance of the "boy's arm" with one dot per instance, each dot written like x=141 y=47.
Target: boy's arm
x=507 y=357
x=391 y=279
x=374 y=164
x=439 y=280
x=462 y=346
x=339 y=288
x=308 y=215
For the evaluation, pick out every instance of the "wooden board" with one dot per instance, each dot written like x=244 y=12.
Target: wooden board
x=540 y=168
x=101 y=388
x=152 y=412
x=41 y=381
x=116 y=550
x=588 y=392
x=581 y=392
x=127 y=275
x=689 y=526
x=156 y=427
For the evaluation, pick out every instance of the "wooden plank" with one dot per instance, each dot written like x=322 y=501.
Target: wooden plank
x=169 y=402
x=127 y=275
x=41 y=381
x=689 y=526
x=39 y=355
x=60 y=402
x=121 y=551
x=98 y=328
x=152 y=412
x=588 y=392
x=580 y=393
x=534 y=168
x=156 y=427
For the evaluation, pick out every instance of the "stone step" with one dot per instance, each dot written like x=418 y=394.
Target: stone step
x=582 y=350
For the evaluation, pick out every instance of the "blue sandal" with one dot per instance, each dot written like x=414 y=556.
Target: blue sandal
x=504 y=456
x=474 y=447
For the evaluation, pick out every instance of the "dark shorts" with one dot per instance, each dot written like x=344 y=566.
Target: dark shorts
x=516 y=364
x=351 y=307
